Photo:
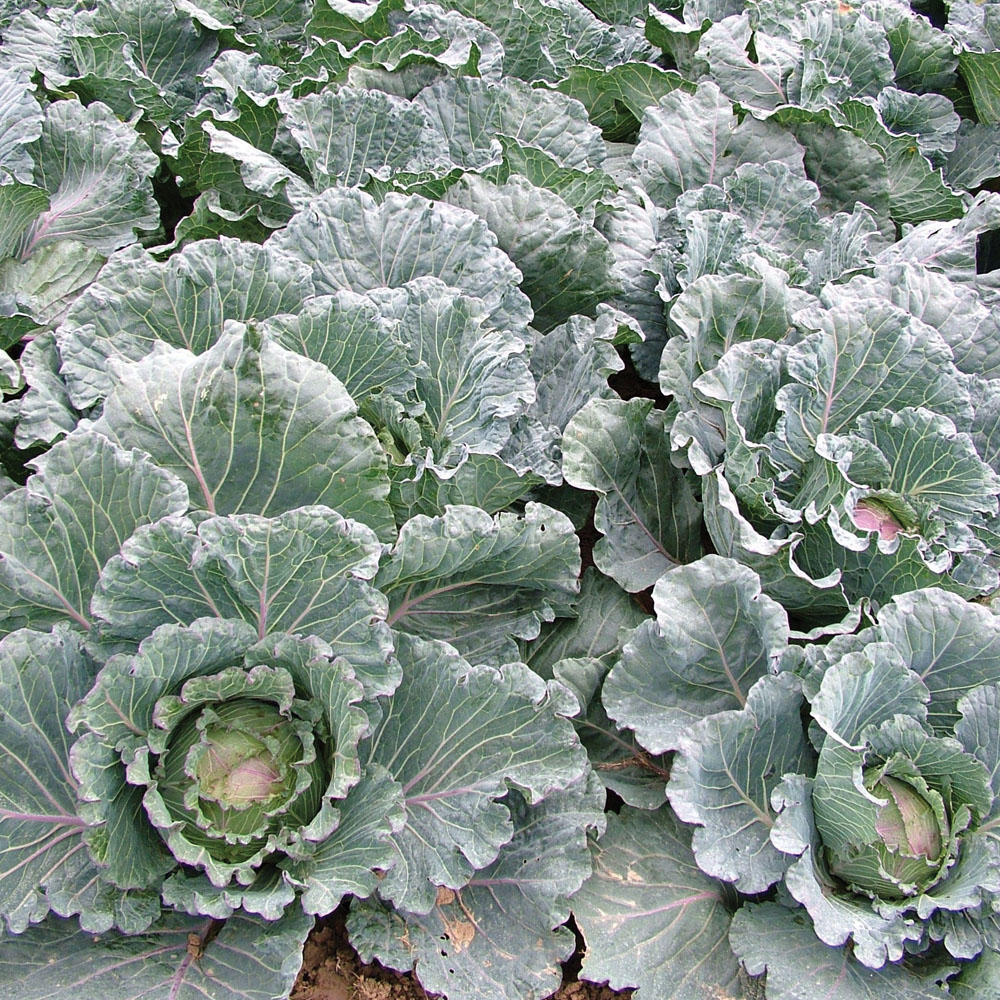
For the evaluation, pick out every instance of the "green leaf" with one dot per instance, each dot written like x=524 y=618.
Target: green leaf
x=498 y=937
x=672 y=155
x=542 y=40
x=714 y=636
x=43 y=839
x=876 y=937
x=617 y=96
x=350 y=860
x=981 y=72
x=349 y=137
x=119 y=706
x=481 y=481
x=649 y=917
x=350 y=241
x=978 y=730
x=304 y=571
x=570 y=366
x=185 y=301
x=349 y=334
x=267 y=896
x=44 y=411
x=255 y=959
x=979 y=980
x=716 y=311
x=566 y=264
x=472 y=378
x=601 y=616
x=21 y=121
x=839 y=373
x=481 y=121
x=622 y=765
x=647 y=511
x=924 y=56
x=866 y=688
x=933 y=466
x=57 y=532
x=916 y=189
x=141 y=53
x=98 y=173
x=127 y=848
x=976 y=157
x=722 y=778
x=251 y=427
x=771 y=937
x=20 y=205
x=51 y=279
x=454 y=735
x=478 y=582
x=846 y=55
x=951 y=644
x=762 y=82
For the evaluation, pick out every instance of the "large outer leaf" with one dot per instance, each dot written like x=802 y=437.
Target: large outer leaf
x=498 y=938
x=184 y=302
x=478 y=582
x=142 y=53
x=771 y=937
x=349 y=334
x=649 y=917
x=44 y=411
x=350 y=137
x=692 y=139
x=715 y=634
x=723 y=777
x=624 y=767
x=251 y=427
x=934 y=467
x=951 y=644
x=57 y=532
x=249 y=959
x=759 y=83
x=647 y=511
x=304 y=571
x=97 y=171
x=51 y=279
x=603 y=614
x=21 y=121
x=567 y=264
x=19 y=205
x=976 y=156
x=570 y=366
x=473 y=114
x=473 y=379
x=979 y=980
x=954 y=309
x=42 y=839
x=543 y=38
x=350 y=241
x=453 y=735
x=978 y=730
x=841 y=372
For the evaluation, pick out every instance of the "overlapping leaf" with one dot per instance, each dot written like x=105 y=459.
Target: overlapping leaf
x=251 y=427
x=453 y=735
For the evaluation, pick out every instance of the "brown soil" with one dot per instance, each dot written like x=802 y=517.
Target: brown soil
x=332 y=971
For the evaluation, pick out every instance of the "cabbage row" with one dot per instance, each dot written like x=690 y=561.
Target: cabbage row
x=508 y=471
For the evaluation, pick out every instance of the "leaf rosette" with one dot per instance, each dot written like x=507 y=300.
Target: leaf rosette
x=237 y=748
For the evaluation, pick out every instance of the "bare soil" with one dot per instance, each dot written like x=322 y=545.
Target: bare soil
x=332 y=971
